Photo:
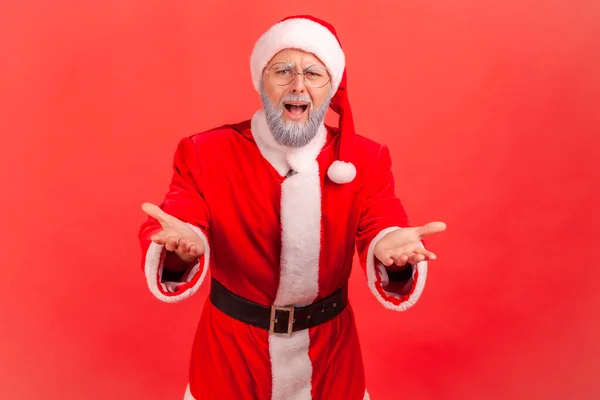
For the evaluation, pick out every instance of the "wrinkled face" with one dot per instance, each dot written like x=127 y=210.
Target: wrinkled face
x=296 y=110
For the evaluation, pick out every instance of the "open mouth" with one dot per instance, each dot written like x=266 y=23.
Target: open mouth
x=295 y=109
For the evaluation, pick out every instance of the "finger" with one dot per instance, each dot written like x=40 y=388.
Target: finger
x=159 y=237
x=401 y=260
x=428 y=254
x=431 y=228
x=416 y=258
x=183 y=247
x=156 y=212
x=387 y=260
x=172 y=243
x=193 y=251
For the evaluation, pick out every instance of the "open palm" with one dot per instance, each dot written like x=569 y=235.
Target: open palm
x=403 y=246
x=175 y=235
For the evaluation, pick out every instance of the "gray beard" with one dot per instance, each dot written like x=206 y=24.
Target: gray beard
x=293 y=134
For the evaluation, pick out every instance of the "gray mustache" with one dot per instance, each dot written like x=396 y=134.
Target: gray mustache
x=296 y=97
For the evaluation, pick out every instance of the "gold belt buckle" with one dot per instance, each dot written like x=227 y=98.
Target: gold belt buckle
x=291 y=320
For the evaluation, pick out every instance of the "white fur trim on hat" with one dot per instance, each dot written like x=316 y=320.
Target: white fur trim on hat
x=303 y=34
x=341 y=172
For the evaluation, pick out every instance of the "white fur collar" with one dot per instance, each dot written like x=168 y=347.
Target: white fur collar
x=284 y=158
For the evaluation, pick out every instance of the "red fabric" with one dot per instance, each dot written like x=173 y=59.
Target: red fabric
x=381 y=209
x=183 y=200
x=234 y=196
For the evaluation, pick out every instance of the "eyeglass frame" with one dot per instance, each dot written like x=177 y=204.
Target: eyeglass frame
x=300 y=73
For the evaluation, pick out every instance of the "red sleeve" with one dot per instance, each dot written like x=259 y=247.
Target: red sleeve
x=184 y=200
x=382 y=213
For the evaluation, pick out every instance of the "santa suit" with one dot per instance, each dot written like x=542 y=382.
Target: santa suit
x=279 y=239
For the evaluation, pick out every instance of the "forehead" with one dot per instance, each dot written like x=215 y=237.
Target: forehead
x=296 y=56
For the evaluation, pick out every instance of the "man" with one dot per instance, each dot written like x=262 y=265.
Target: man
x=274 y=207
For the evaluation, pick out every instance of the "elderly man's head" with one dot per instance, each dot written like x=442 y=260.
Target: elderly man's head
x=295 y=104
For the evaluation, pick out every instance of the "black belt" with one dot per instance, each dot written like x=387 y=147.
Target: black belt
x=281 y=321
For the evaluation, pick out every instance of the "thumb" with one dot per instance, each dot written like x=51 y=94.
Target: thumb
x=156 y=212
x=431 y=228
x=195 y=250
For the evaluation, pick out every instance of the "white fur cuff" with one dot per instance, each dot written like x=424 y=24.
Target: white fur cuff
x=171 y=292
x=377 y=279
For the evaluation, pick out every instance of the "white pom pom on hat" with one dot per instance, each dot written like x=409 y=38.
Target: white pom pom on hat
x=341 y=172
x=318 y=37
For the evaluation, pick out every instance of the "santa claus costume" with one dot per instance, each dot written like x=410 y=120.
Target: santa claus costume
x=280 y=227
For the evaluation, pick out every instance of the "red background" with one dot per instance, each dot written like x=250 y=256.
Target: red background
x=491 y=112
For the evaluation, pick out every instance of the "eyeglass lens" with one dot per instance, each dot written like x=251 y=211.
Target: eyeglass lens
x=283 y=74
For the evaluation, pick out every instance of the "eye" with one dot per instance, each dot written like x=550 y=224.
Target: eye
x=314 y=72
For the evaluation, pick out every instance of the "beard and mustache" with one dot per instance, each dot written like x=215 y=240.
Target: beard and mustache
x=291 y=133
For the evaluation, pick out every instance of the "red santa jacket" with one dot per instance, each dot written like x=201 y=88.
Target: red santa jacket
x=278 y=240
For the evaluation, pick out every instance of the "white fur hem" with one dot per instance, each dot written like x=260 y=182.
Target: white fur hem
x=377 y=270
x=153 y=268
x=188 y=394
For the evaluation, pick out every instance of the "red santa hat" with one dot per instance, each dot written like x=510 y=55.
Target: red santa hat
x=318 y=37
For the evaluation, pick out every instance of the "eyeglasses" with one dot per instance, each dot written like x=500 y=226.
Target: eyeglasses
x=283 y=74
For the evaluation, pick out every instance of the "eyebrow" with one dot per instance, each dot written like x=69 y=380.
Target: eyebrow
x=286 y=64
x=293 y=65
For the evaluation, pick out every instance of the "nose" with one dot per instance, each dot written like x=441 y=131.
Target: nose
x=298 y=85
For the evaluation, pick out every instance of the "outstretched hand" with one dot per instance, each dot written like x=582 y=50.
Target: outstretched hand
x=175 y=235
x=403 y=246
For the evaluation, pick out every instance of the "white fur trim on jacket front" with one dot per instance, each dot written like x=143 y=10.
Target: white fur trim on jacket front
x=291 y=367
x=375 y=269
x=153 y=268
x=303 y=34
